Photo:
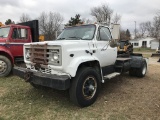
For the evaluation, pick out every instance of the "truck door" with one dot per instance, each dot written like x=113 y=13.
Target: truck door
x=18 y=38
x=106 y=54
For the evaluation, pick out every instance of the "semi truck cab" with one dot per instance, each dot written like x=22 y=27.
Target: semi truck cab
x=80 y=60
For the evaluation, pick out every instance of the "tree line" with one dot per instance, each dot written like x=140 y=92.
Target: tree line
x=149 y=28
x=51 y=22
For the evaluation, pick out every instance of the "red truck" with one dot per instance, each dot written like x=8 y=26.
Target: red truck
x=12 y=38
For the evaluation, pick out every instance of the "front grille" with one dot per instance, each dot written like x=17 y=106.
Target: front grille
x=46 y=70
x=42 y=54
x=42 y=69
x=39 y=54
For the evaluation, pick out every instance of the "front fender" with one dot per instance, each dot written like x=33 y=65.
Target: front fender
x=7 y=53
x=75 y=63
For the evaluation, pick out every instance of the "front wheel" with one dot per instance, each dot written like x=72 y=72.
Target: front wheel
x=5 y=66
x=85 y=87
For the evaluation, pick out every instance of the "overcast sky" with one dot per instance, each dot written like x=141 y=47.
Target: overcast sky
x=130 y=10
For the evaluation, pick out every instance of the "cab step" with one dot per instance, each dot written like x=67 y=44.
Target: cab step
x=112 y=75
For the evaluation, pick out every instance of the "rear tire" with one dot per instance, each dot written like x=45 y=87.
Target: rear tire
x=132 y=72
x=5 y=66
x=141 y=72
x=85 y=87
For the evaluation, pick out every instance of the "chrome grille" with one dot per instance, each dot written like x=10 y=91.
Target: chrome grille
x=39 y=54
x=42 y=54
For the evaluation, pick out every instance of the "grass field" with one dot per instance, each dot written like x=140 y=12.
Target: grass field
x=147 y=52
x=122 y=98
x=144 y=50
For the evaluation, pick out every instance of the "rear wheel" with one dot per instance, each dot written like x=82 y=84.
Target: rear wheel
x=5 y=66
x=132 y=72
x=85 y=87
x=141 y=72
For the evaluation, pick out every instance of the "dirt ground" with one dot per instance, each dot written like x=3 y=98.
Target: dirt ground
x=122 y=98
x=135 y=98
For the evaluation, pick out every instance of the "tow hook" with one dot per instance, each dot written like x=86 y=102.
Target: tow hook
x=27 y=76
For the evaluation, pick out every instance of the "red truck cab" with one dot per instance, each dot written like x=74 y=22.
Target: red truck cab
x=12 y=38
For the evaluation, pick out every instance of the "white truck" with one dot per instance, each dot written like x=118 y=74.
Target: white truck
x=80 y=60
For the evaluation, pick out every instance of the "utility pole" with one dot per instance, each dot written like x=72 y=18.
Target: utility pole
x=135 y=29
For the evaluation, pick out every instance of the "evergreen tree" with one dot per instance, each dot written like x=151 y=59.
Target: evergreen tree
x=9 y=21
x=128 y=35
x=74 y=21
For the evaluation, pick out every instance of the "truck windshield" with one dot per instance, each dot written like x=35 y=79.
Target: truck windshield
x=4 y=32
x=84 y=32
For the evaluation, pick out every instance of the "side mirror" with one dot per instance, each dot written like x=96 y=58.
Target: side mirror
x=113 y=43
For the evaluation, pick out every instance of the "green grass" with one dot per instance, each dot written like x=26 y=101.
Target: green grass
x=143 y=50
x=147 y=52
x=20 y=101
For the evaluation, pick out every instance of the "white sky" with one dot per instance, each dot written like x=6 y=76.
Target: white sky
x=135 y=10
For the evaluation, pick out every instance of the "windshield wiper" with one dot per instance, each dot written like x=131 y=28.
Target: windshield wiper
x=1 y=36
x=61 y=38
x=76 y=37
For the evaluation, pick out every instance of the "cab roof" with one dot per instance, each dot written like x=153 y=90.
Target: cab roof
x=14 y=25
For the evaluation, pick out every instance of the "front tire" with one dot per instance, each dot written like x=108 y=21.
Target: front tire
x=85 y=87
x=5 y=66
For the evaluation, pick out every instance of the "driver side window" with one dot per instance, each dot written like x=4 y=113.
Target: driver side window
x=104 y=34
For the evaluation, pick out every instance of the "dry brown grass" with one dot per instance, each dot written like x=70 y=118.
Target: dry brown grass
x=122 y=98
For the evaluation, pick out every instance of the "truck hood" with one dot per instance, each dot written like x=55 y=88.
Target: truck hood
x=60 y=42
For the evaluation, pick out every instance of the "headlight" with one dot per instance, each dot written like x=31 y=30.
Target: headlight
x=55 y=57
x=28 y=54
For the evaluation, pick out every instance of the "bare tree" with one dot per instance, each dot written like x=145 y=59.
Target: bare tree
x=24 y=18
x=49 y=24
x=143 y=28
x=156 y=25
x=102 y=13
x=87 y=21
x=116 y=19
x=150 y=29
x=146 y=28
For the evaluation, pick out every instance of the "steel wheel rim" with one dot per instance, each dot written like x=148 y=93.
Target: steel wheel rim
x=89 y=87
x=3 y=67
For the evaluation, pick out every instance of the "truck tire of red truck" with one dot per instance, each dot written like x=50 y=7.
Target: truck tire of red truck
x=5 y=66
